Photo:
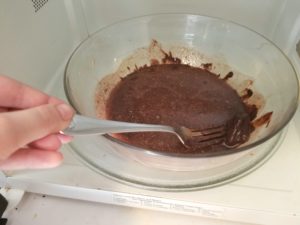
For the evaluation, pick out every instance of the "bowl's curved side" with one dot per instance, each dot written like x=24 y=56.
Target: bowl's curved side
x=244 y=50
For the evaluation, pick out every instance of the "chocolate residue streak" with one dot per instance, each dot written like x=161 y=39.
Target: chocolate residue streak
x=229 y=75
x=264 y=119
x=169 y=59
x=154 y=62
x=207 y=66
x=155 y=43
x=247 y=94
x=249 y=83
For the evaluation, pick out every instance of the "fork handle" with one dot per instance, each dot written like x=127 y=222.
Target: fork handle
x=82 y=125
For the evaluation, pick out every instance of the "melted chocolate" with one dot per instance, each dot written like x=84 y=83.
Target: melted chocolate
x=248 y=93
x=207 y=66
x=229 y=75
x=180 y=95
x=263 y=120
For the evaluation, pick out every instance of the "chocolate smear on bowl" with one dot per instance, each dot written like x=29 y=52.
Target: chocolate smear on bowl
x=263 y=120
x=228 y=75
x=207 y=66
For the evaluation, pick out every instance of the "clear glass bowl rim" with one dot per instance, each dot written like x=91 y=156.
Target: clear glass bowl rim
x=176 y=155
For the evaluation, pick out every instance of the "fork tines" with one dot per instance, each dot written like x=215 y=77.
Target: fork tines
x=208 y=134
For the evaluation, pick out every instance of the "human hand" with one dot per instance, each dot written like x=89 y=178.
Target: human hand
x=30 y=122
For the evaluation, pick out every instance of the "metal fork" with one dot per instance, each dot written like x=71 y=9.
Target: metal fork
x=82 y=125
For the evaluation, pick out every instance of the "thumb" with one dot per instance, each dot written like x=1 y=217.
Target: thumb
x=18 y=128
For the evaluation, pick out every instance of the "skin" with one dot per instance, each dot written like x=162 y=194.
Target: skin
x=30 y=125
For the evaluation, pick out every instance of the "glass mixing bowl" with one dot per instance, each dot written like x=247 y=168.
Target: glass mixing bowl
x=195 y=39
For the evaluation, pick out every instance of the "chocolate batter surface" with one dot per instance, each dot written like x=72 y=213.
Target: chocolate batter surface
x=180 y=95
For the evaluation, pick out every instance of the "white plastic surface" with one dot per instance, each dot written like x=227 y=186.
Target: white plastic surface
x=37 y=209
